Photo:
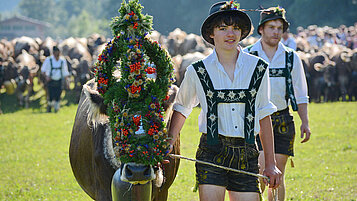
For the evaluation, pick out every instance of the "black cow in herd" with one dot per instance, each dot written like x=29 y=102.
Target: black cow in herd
x=94 y=164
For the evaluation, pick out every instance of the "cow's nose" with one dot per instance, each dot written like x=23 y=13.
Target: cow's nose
x=138 y=173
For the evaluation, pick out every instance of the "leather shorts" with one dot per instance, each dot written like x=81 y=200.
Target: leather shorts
x=284 y=133
x=229 y=152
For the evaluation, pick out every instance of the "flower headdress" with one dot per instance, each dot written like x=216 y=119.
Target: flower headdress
x=279 y=10
x=273 y=13
x=135 y=101
x=230 y=5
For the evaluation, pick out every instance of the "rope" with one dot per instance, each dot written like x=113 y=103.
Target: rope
x=223 y=167
x=274 y=191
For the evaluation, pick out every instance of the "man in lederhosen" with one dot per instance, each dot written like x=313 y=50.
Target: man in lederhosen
x=55 y=71
x=288 y=86
x=232 y=88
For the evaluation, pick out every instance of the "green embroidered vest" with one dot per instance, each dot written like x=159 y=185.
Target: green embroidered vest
x=283 y=72
x=214 y=97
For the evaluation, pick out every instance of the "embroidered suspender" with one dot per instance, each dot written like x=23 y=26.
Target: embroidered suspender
x=55 y=68
x=284 y=72
x=214 y=97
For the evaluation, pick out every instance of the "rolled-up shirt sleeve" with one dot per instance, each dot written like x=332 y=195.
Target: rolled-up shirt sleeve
x=299 y=81
x=187 y=95
x=264 y=106
x=65 y=71
x=46 y=66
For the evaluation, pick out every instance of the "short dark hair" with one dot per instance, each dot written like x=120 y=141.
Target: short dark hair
x=55 y=49
x=229 y=20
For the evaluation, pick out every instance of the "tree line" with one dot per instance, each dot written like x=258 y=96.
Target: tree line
x=81 y=18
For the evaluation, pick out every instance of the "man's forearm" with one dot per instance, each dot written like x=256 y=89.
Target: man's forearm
x=176 y=124
x=267 y=139
x=302 y=111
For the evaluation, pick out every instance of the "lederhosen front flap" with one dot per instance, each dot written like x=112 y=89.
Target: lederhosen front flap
x=284 y=72
x=214 y=97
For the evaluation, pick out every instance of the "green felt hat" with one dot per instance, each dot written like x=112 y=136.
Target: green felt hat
x=224 y=8
x=273 y=13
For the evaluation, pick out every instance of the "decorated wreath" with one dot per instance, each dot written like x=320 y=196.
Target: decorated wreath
x=135 y=101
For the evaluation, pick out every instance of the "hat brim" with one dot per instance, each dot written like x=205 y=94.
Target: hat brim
x=286 y=24
x=245 y=18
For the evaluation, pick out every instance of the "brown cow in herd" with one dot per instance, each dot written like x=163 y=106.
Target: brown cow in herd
x=93 y=161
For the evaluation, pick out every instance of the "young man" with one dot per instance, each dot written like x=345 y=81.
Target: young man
x=232 y=88
x=288 y=86
x=55 y=70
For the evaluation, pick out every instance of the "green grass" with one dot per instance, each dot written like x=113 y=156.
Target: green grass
x=34 y=162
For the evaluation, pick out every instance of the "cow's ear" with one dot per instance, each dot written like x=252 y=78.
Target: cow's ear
x=172 y=96
x=96 y=100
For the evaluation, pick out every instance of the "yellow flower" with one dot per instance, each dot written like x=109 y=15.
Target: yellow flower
x=121 y=124
x=152 y=106
x=127 y=17
x=125 y=114
x=156 y=137
x=160 y=133
x=127 y=149
x=140 y=81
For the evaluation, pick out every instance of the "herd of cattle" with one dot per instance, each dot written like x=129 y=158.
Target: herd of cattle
x=331 y=70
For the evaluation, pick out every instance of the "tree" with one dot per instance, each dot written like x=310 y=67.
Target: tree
x=84 y=25
x=38 y=9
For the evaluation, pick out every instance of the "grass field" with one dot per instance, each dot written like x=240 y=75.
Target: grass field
x=34 y=162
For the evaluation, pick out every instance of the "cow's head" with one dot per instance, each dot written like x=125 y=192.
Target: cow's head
x=130 y=172
x=328 y=68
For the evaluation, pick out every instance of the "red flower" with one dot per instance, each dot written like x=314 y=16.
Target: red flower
x=135 y=25
x=134 y=67
x=135 y=89
x=137 y=120
x=150 y=70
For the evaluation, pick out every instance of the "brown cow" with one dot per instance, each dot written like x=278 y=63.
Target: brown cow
x=92 y=156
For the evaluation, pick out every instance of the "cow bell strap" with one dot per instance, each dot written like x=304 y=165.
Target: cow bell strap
x=214 y=97
x=284 y=72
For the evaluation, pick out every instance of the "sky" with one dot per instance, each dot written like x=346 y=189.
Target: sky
x=8 y=5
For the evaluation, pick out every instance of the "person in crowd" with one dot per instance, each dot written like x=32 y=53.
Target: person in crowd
x=232 y=88
x=288 y=40
x=288 y=87
x=55 y=71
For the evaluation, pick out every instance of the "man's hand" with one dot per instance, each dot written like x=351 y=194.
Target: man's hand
x=274 y=175
x=48 y=78
x=305 y=130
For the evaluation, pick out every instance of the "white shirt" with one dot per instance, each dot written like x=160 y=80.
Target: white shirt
x=230 y=115
x=56 y=73
x=290 y=42
x=278 y=88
